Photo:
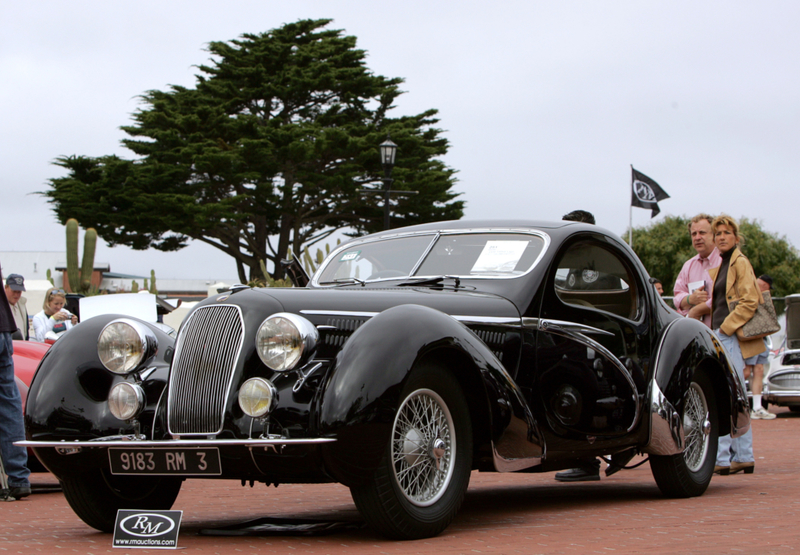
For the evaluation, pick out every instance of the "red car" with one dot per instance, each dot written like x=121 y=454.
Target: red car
x=27 y=355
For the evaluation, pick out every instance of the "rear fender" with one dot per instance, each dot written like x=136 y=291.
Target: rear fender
x=362 y=393
x=685 y=347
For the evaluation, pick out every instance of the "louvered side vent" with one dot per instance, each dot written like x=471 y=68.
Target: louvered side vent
x=494 y=340
x=344 y=329
x=202 y=370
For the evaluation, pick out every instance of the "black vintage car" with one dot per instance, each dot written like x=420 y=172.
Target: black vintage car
x=411 y=358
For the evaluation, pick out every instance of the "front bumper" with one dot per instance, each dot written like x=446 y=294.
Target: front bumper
x=131 y=441
x=782 y=398
x=268 y=459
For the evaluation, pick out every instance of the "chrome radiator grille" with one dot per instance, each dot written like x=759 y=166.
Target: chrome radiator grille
x=202 y=369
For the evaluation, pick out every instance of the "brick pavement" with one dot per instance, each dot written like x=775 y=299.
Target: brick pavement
x=503 y=513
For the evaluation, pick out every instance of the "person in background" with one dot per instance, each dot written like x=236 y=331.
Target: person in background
x=696 y=303
x=754 y=366
x=734 y=281
x=579 y=216
x=54 y=317
x=15 y=285
x=15 y=459
x=659 y=286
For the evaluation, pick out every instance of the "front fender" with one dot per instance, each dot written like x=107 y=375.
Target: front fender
x=686 y=346
x=363 y=391
x=69 y=392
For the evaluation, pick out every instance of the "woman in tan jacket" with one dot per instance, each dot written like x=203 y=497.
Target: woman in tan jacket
x=734 y=280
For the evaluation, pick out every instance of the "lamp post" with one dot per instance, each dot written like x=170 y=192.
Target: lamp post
x=388 y=151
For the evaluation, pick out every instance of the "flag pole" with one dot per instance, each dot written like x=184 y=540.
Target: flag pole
x=630 y=215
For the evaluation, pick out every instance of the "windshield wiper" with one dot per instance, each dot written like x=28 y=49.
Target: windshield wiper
x=431 y=281
x=344 y=281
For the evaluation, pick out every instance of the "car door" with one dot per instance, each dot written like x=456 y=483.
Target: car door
x=592 y=344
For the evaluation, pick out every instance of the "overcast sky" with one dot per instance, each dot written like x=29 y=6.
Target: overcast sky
x=546 y=104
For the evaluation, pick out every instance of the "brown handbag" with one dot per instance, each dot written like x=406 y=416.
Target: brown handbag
x=764 y=321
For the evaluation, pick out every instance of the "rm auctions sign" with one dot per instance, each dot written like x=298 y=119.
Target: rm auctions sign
x=147 y=530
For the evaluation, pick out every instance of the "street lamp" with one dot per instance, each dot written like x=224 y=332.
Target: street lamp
x=388 y=151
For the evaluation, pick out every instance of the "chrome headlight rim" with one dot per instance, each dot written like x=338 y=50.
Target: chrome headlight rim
x=299 y=339
x=126 y=400
x=267 y=401
x=143 y=342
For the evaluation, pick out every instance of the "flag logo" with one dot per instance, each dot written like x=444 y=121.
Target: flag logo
x=646 y=193
x=643 y=191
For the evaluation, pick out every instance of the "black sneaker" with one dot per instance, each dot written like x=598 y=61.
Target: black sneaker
x=19 y=492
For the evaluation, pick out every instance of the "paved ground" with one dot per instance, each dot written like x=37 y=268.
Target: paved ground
x=503 y=513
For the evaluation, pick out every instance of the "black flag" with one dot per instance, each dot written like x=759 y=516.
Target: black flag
x=646 y=193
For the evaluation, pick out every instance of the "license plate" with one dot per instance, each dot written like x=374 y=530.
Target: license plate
x=165 y=461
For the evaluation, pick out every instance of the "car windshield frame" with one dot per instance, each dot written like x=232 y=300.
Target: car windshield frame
x=435 y=236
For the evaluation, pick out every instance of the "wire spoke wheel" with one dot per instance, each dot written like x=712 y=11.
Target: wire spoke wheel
x=422 y=447
x=696 y=427
x=420 y=483
x=688 y=474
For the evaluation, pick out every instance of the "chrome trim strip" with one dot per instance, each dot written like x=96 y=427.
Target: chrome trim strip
x=542 y=324
x=465 y=319
x=354 y=314
x=576 y=333
x=666 y=425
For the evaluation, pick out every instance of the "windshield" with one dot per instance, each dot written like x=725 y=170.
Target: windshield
x=492 y=254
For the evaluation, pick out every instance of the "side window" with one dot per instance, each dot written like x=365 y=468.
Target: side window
x=591 y=275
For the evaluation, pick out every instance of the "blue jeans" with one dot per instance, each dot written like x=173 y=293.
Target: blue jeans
x=738 y=449
x=15 y=459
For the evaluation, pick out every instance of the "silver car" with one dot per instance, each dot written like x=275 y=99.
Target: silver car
x=782 y=382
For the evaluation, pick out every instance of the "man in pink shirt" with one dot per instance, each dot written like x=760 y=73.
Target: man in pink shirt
x=695 y=270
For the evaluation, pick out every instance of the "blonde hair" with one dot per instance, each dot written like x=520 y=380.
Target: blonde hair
x=52 y=293
x=724 y=219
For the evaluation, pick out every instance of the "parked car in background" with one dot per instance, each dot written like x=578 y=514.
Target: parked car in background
x=27 y=356
x=410 y=359
x=782 y=380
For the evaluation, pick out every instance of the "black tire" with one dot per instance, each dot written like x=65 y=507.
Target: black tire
x=688 y=474
x=97 y=497
x=416 y=492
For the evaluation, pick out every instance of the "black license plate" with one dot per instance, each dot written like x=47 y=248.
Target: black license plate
x=165 y=461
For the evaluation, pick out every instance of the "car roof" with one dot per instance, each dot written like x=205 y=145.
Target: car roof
x=557 y=229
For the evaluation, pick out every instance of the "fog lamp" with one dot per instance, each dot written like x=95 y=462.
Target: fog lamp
x=257 y=397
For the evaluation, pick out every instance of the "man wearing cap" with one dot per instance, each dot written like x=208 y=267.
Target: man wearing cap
x=15 y=459
x=754 y=366
x=15 y=285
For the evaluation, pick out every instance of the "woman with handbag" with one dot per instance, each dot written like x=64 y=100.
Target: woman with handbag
x=735 y=297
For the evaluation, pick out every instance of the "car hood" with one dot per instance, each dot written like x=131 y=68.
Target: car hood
x=369 y=301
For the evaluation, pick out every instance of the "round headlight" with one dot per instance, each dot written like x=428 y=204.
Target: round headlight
x=257 y=396
x=286 y=340
x=126 y=400
x=124 y=344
